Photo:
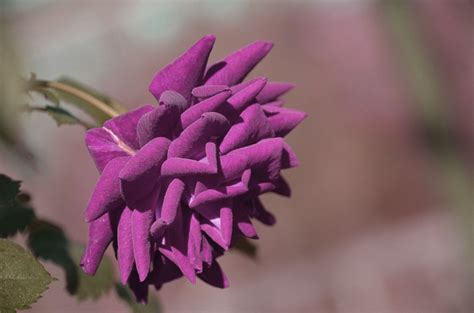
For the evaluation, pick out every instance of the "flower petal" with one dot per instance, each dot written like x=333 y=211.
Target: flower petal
x=178 y=258
x=244 y=97
x=233 y=68
x=207 y=91
x=273 y=90
x=106 y=195
x=125 y=245
x=100 y=236
x=283 y=120
x=160 y=122
x=191 y=143
x=102 y=147
x=214 y=276
x=123 y=128
x=211 y=104
x=186 y=72
x=138 y=178
x=141 y=223
x=254 y=126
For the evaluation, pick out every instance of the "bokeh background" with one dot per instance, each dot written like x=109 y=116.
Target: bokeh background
x=380 y=220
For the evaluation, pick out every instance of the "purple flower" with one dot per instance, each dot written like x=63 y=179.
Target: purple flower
x=180 y=180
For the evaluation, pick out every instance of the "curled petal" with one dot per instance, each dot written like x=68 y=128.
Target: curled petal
x=253 y=127
x=233 y=68
x=192 y=141
x=178 y=258
x=186 y=72
x=220 y=193
x=106 y=195
x=194 y=243
x=137 y=178
x=211 y=104
x=182 y=167
x=157 y=123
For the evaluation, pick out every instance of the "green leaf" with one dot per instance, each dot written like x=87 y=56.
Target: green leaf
x=93 y=287
x=245 y=246
x=96 y=94
x=15 y=215
x=22 y=278
x=61 y=116
x=124 y=293
x=47 y=93
x=49 y=242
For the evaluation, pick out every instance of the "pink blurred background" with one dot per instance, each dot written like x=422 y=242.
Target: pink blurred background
x=372 y=226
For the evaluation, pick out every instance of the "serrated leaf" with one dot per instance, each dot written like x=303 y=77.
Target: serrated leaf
x=49 y=242
x=124 y=293
x=22 y=278
x=246 y=247
x=93 y=287
x=14 y=214
x=98 y=95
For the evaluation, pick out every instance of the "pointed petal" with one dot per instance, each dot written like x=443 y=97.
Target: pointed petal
x=220 y=193
x=106 y=195
x=214 y=276
x=283 y=120
x=139 y=177
x=123 y=128
x=206 y=251
x=191 y=143
x=100 y=236
x=233 y=68
x=243 y=223
x=211 y=104
x=254 y=126
x=246 y=96
x=186 y=72
x=125 y=245
x=273 y=90
x=207 y=91
x=141 y=223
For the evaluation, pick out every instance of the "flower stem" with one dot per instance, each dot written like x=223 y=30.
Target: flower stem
x=83 y=96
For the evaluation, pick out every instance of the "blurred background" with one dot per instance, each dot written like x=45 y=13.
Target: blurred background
x=381 y=217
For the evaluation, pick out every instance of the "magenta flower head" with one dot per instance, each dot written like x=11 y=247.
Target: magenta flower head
x=180 y=180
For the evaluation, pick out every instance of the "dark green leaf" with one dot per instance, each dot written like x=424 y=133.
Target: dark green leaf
x=49 y=242
x=60 y=115
x=93 y=287
x=245 y=246
x=14 y=214
x=22 y=278
x=124 y=293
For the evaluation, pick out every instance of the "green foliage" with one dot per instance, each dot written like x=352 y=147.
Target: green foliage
x=49 y=242
x=246 y=247
x=61 y=116
x=93 y=287
x=15 y=215
x=22 y=278
x=124 y=293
